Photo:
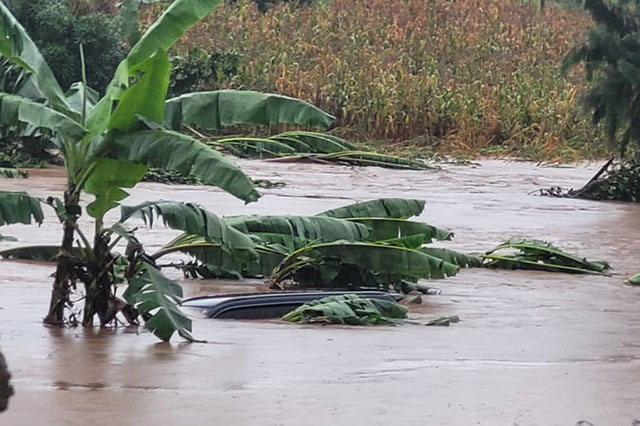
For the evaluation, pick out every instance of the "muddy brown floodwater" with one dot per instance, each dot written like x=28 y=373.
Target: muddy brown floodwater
x=533 y=348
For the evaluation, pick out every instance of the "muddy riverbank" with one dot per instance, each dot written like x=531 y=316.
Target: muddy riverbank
x=533 y=348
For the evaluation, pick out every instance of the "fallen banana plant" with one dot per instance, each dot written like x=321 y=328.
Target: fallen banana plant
x=349 y=309
x=302 y=146
x=541 y=256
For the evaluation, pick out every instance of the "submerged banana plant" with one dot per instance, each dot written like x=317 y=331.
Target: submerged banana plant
x=542 y=256
x=363 y=245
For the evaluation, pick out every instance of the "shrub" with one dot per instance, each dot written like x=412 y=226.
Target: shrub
x=200 y=68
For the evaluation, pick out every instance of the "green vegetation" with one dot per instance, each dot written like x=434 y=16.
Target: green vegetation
x=293 y=146
x=634 y=280
x=107 y=144
x=349 y=309
x=430 y=76
x=57 y=27
x=611 y=56
x=540 y=256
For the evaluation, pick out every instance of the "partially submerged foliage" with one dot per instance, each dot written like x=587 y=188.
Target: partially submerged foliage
x=542 y=256
x=108 y=143
x=634 y=280
x=349 y=309
x=19 y=207
x=363 y=245
x=618 y=181
x=304 y=146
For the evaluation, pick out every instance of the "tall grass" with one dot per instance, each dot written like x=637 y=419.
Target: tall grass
x=460 y=77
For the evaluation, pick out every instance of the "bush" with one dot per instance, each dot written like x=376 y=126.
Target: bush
x=200 y=68
x=456 y=77
x=59 y=26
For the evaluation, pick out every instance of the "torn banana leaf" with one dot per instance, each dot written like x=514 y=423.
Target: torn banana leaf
x=295 y=232
x=213 y=261
x=358 y=265
x=348 y=309
x=254 y=147
x=542 y=256
x=157 y=299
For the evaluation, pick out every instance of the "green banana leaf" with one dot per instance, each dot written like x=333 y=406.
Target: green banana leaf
x=75 y=97
x=295 y=232
x=356 y=265
x=163 y=33
x=172 y=24
x=295 y=144
x=146 y=96
x=348 y=309
x=454 y=257
x=157 y=299
x=398 y=208
x=634 y=280
x=254 y=147
x=540 y=255
x=389 y=228
x=213 y=110
x=19 y=207
x=190 y=218
x=365 y=158
x=214 y=261
x=173 y=151
x=16 y=110
x=17 y=47
x=320 y=143
x=106 y=183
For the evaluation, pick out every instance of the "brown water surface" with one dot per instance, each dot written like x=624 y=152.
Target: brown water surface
x=533 y=348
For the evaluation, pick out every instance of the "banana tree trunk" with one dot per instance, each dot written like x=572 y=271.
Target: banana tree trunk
x=64 y=270
x=5 y=388
x=98 y=284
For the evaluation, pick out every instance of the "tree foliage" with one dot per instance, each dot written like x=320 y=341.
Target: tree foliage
x=611 y=57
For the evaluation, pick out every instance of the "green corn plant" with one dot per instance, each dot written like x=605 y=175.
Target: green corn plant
x=109 y=142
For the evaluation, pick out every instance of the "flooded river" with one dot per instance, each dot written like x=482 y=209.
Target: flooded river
x=532 y=348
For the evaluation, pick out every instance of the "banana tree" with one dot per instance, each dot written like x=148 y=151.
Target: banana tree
x=108 y=143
